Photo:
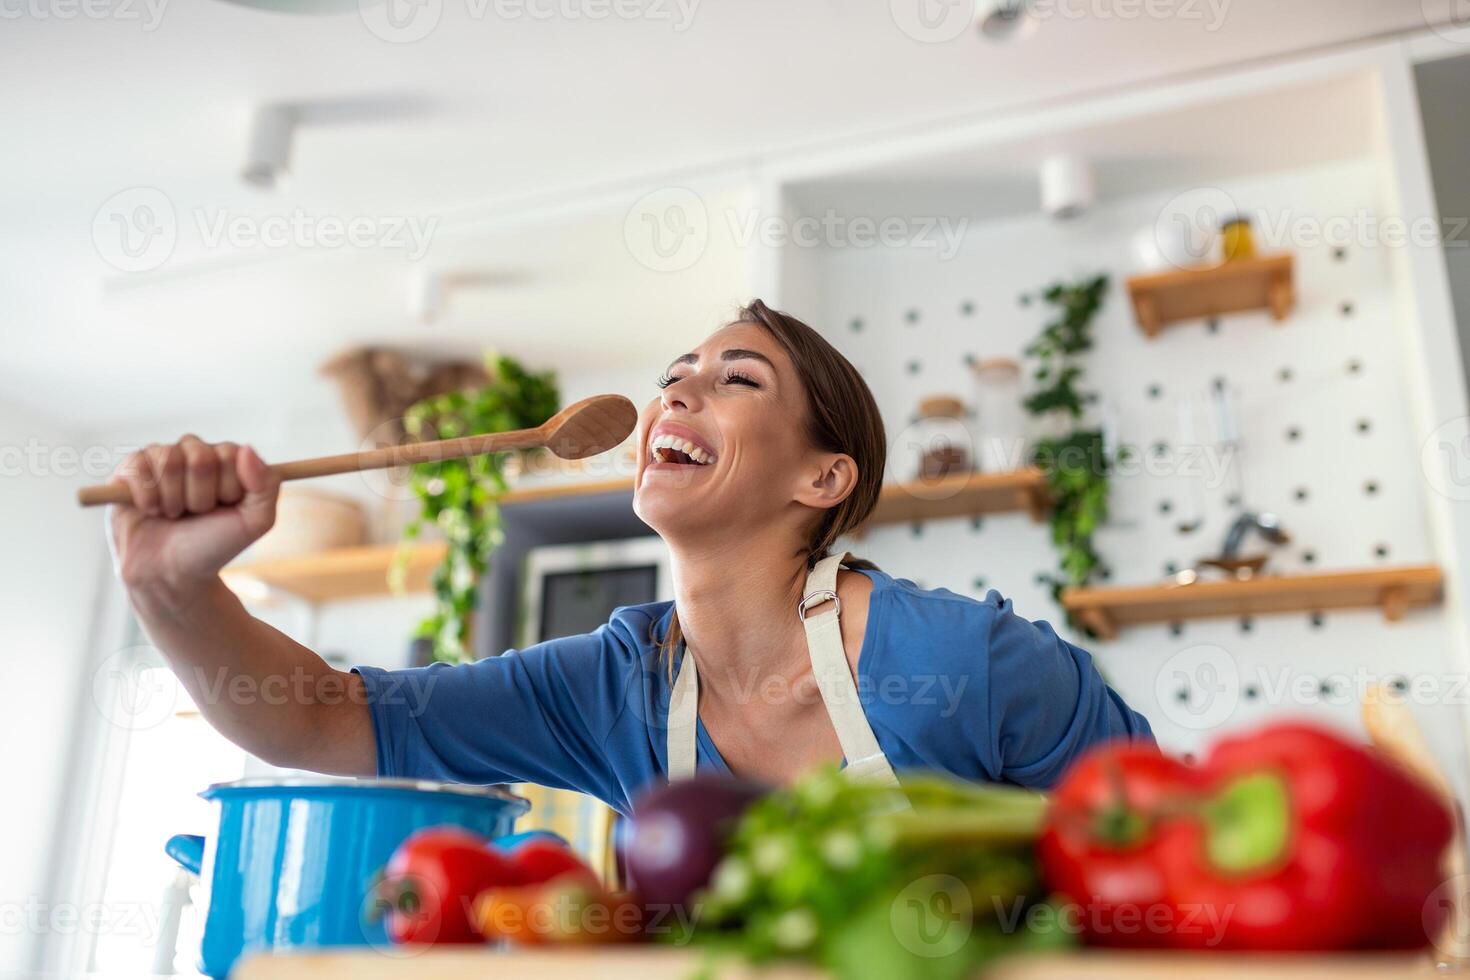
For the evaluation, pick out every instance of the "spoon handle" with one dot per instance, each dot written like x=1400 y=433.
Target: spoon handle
x=370 y=459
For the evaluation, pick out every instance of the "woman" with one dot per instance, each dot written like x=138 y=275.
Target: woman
x=764 y=447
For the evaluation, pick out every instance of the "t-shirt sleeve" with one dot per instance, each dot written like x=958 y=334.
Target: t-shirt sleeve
x=1048 y=703
x=541 y=715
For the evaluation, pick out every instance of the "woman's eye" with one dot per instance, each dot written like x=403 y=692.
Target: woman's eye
x=665 y=380
x=736 y=378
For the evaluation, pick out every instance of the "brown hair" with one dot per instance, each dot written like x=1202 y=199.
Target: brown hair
x=841 y=417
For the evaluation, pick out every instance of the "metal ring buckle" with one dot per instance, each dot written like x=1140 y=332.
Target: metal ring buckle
x=816 y=598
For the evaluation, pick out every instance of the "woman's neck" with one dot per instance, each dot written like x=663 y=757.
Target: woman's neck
x=736 y=601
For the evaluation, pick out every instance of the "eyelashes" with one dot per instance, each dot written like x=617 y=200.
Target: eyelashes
x=733 y=377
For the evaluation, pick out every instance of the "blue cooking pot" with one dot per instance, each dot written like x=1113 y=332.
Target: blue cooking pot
x=295 y=860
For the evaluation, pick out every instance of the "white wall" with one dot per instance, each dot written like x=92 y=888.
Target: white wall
x=54 y=554
x=1338 y=525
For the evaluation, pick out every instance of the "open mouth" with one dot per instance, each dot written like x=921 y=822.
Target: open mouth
x=671 y=449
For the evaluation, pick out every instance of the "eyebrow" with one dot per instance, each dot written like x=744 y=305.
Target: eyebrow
x=733 y=354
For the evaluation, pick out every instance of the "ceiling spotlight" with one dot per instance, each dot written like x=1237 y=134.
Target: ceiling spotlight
x=269 y=159
x=427 y=296
x=429 y=290
x=1068 y=186
x=1003 y=21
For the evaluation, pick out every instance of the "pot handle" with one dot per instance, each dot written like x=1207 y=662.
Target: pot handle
x=188 y=850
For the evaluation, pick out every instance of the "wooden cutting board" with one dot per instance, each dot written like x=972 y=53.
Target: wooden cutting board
x=676 y=964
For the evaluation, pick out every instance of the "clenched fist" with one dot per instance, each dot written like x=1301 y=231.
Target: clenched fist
x=195 y=506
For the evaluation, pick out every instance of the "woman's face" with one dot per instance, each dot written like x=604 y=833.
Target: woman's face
x=723 y=447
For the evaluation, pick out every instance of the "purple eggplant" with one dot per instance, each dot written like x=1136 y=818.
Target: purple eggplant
x=678 y=834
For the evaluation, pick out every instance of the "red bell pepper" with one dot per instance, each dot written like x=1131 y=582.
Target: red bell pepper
x=538 y=860
x=1305 y=841
x=429 y=885
x=1098 y=847
x=1290 y=838
x=557 y=898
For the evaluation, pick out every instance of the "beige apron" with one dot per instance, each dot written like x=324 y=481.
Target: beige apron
x=865 y=759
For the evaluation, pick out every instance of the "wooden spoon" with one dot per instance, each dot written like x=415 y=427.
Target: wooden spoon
x=586 y=428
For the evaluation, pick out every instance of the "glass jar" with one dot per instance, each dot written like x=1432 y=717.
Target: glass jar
x=941 y=438
x=1000 y=416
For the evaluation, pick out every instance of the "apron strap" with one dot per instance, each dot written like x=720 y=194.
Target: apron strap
x=683 y=720
x=865 y=759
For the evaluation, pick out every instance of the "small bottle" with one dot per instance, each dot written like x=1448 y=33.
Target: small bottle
x=1236 y=241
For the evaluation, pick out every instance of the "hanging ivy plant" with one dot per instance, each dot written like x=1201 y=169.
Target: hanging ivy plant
x=1075 y=458
x=461 y=496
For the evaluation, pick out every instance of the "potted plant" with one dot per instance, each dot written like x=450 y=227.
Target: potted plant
x=461 y=496
x=1071 y=453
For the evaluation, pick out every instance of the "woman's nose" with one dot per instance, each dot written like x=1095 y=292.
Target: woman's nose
x=683 y=395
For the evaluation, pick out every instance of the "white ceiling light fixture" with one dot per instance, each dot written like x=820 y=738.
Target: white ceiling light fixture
x=268 y=161
x=1068 y=186
x=428 y=295
x=273 y=127
x=1005 y=21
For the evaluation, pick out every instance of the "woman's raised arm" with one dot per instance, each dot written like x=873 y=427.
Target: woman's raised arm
x=195 y=506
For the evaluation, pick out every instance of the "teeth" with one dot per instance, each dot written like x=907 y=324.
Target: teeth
x=680 y=445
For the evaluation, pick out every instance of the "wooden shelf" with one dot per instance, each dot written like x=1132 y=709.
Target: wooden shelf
x=1263 y=283
x=962 y=495
x=959 y=495
x=352 y=573
x=343 y=573
x=1394 y=590
x=555 y=491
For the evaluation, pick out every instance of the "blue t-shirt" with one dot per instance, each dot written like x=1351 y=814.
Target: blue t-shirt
x=948 y=683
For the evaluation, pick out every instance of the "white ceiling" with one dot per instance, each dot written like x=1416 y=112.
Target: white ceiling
x=494 y=115
x=1285 y=128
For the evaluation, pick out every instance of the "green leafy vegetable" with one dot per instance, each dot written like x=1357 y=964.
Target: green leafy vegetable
x=845 y=875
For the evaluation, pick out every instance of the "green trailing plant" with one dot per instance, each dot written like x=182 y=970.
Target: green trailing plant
x=461 y=496
x=1075 y=460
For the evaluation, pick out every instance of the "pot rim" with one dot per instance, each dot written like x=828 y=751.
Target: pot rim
x=324 y=782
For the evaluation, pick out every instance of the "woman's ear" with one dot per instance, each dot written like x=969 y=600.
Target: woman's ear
x=826 y=486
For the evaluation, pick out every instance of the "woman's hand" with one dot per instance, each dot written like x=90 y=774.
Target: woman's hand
x=195 y=506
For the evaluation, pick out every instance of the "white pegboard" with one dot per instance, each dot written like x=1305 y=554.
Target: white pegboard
x=1321 y=408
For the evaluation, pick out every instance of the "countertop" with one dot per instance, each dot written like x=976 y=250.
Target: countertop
x=611 y=963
